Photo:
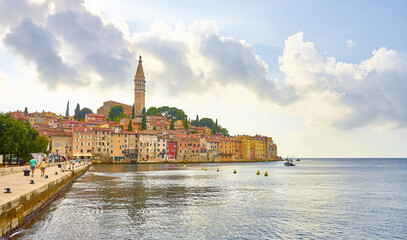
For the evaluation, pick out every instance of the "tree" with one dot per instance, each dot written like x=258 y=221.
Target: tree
x=18 y=139
x=154 y=128
x=144 y=120
x=116 y=112
x=152 y=111
x=77 y=111
x=67 y=110
x=83 y=112
x=26 y=110
x=185 y=123
x=172 y=124
x=130 y=126
x=132 y=112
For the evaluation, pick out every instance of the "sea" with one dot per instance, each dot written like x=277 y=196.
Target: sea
x=316 y=199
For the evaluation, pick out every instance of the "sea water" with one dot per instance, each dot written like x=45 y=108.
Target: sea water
x=316 y=199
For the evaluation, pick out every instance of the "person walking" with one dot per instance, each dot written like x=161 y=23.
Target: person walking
x=42 y=167
x=33 y=163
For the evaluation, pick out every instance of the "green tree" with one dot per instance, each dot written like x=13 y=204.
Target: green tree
x=67 y=110
x=77 y=111
x=144 y=120
x=18 y=139
x=154 y=128
x=185 y=123
x=25 y=110
x=116 y=112
x=153 y=111
x=172 y=124
x=206 y=122
x=132 y=112
x=130 y=126
x=83 y=112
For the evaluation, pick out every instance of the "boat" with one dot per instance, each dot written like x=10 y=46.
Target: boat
x=298 y=159
x=289 y=162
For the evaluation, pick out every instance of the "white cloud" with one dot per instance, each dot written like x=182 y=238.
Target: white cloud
x=349 y=43
x=344 y=95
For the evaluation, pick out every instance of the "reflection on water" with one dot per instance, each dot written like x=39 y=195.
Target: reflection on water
x=317 y=199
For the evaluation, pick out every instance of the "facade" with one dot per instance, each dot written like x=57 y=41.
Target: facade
x=161 y=148
x=61 y=143
x=101 y=118
x=171 y=150
x=82 y=139
x=139 y=89
x=147 y=141
x=105 y=109
x=101 y=146
x=225 y=150
x=237 y=149
x=130 y=145
x=117 y=147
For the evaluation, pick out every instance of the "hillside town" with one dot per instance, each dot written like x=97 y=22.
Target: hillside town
x=109 y=142
x=135 y=136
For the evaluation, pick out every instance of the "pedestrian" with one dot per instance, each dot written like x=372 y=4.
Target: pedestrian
x=33 y=163
x=42 y=167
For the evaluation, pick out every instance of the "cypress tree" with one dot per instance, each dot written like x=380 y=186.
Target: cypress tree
x=26 y=110
x=67 y=109
x=144 y=120
x=77 y=111
x=130 y=126
x=132 y=112
x=172 y=124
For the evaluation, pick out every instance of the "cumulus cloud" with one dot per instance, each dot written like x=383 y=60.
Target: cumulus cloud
x=67 y=44
x=346 y=95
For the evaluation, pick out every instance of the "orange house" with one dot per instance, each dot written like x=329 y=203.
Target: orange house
x=225 y=149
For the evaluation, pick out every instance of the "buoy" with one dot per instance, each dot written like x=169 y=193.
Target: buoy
x=235 y=171
x=258 y=173
x=202 y=168
x=266 y=174
x=194 y=166
x=217 y=169
x=206 y=169
x=185 y=165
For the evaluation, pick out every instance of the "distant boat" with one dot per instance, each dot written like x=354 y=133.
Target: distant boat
x=289 y=162
x=298 y=159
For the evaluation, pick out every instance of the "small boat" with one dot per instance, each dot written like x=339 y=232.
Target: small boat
x=298 y=159
x=289 y=162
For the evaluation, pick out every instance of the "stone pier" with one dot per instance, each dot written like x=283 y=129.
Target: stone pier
x=26 y=199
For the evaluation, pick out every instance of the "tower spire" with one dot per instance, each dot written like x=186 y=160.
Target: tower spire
x=140 y=71
x=139 y=88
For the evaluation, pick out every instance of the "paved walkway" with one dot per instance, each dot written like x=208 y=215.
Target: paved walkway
x=20 y=184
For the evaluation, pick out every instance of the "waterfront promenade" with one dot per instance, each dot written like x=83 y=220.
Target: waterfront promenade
x=27 y=197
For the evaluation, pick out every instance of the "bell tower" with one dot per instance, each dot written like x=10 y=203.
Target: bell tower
x=139 y=89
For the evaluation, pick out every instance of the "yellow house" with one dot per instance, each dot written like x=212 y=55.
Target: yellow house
x=247 y=147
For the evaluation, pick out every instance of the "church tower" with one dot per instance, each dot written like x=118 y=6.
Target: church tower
x=139 y=89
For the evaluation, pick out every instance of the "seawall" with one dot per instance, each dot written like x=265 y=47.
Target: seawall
x=26 y=199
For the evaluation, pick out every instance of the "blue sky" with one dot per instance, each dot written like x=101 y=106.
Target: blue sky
x=323 y=78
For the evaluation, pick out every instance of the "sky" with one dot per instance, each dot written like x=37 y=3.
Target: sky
x=322 y=78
